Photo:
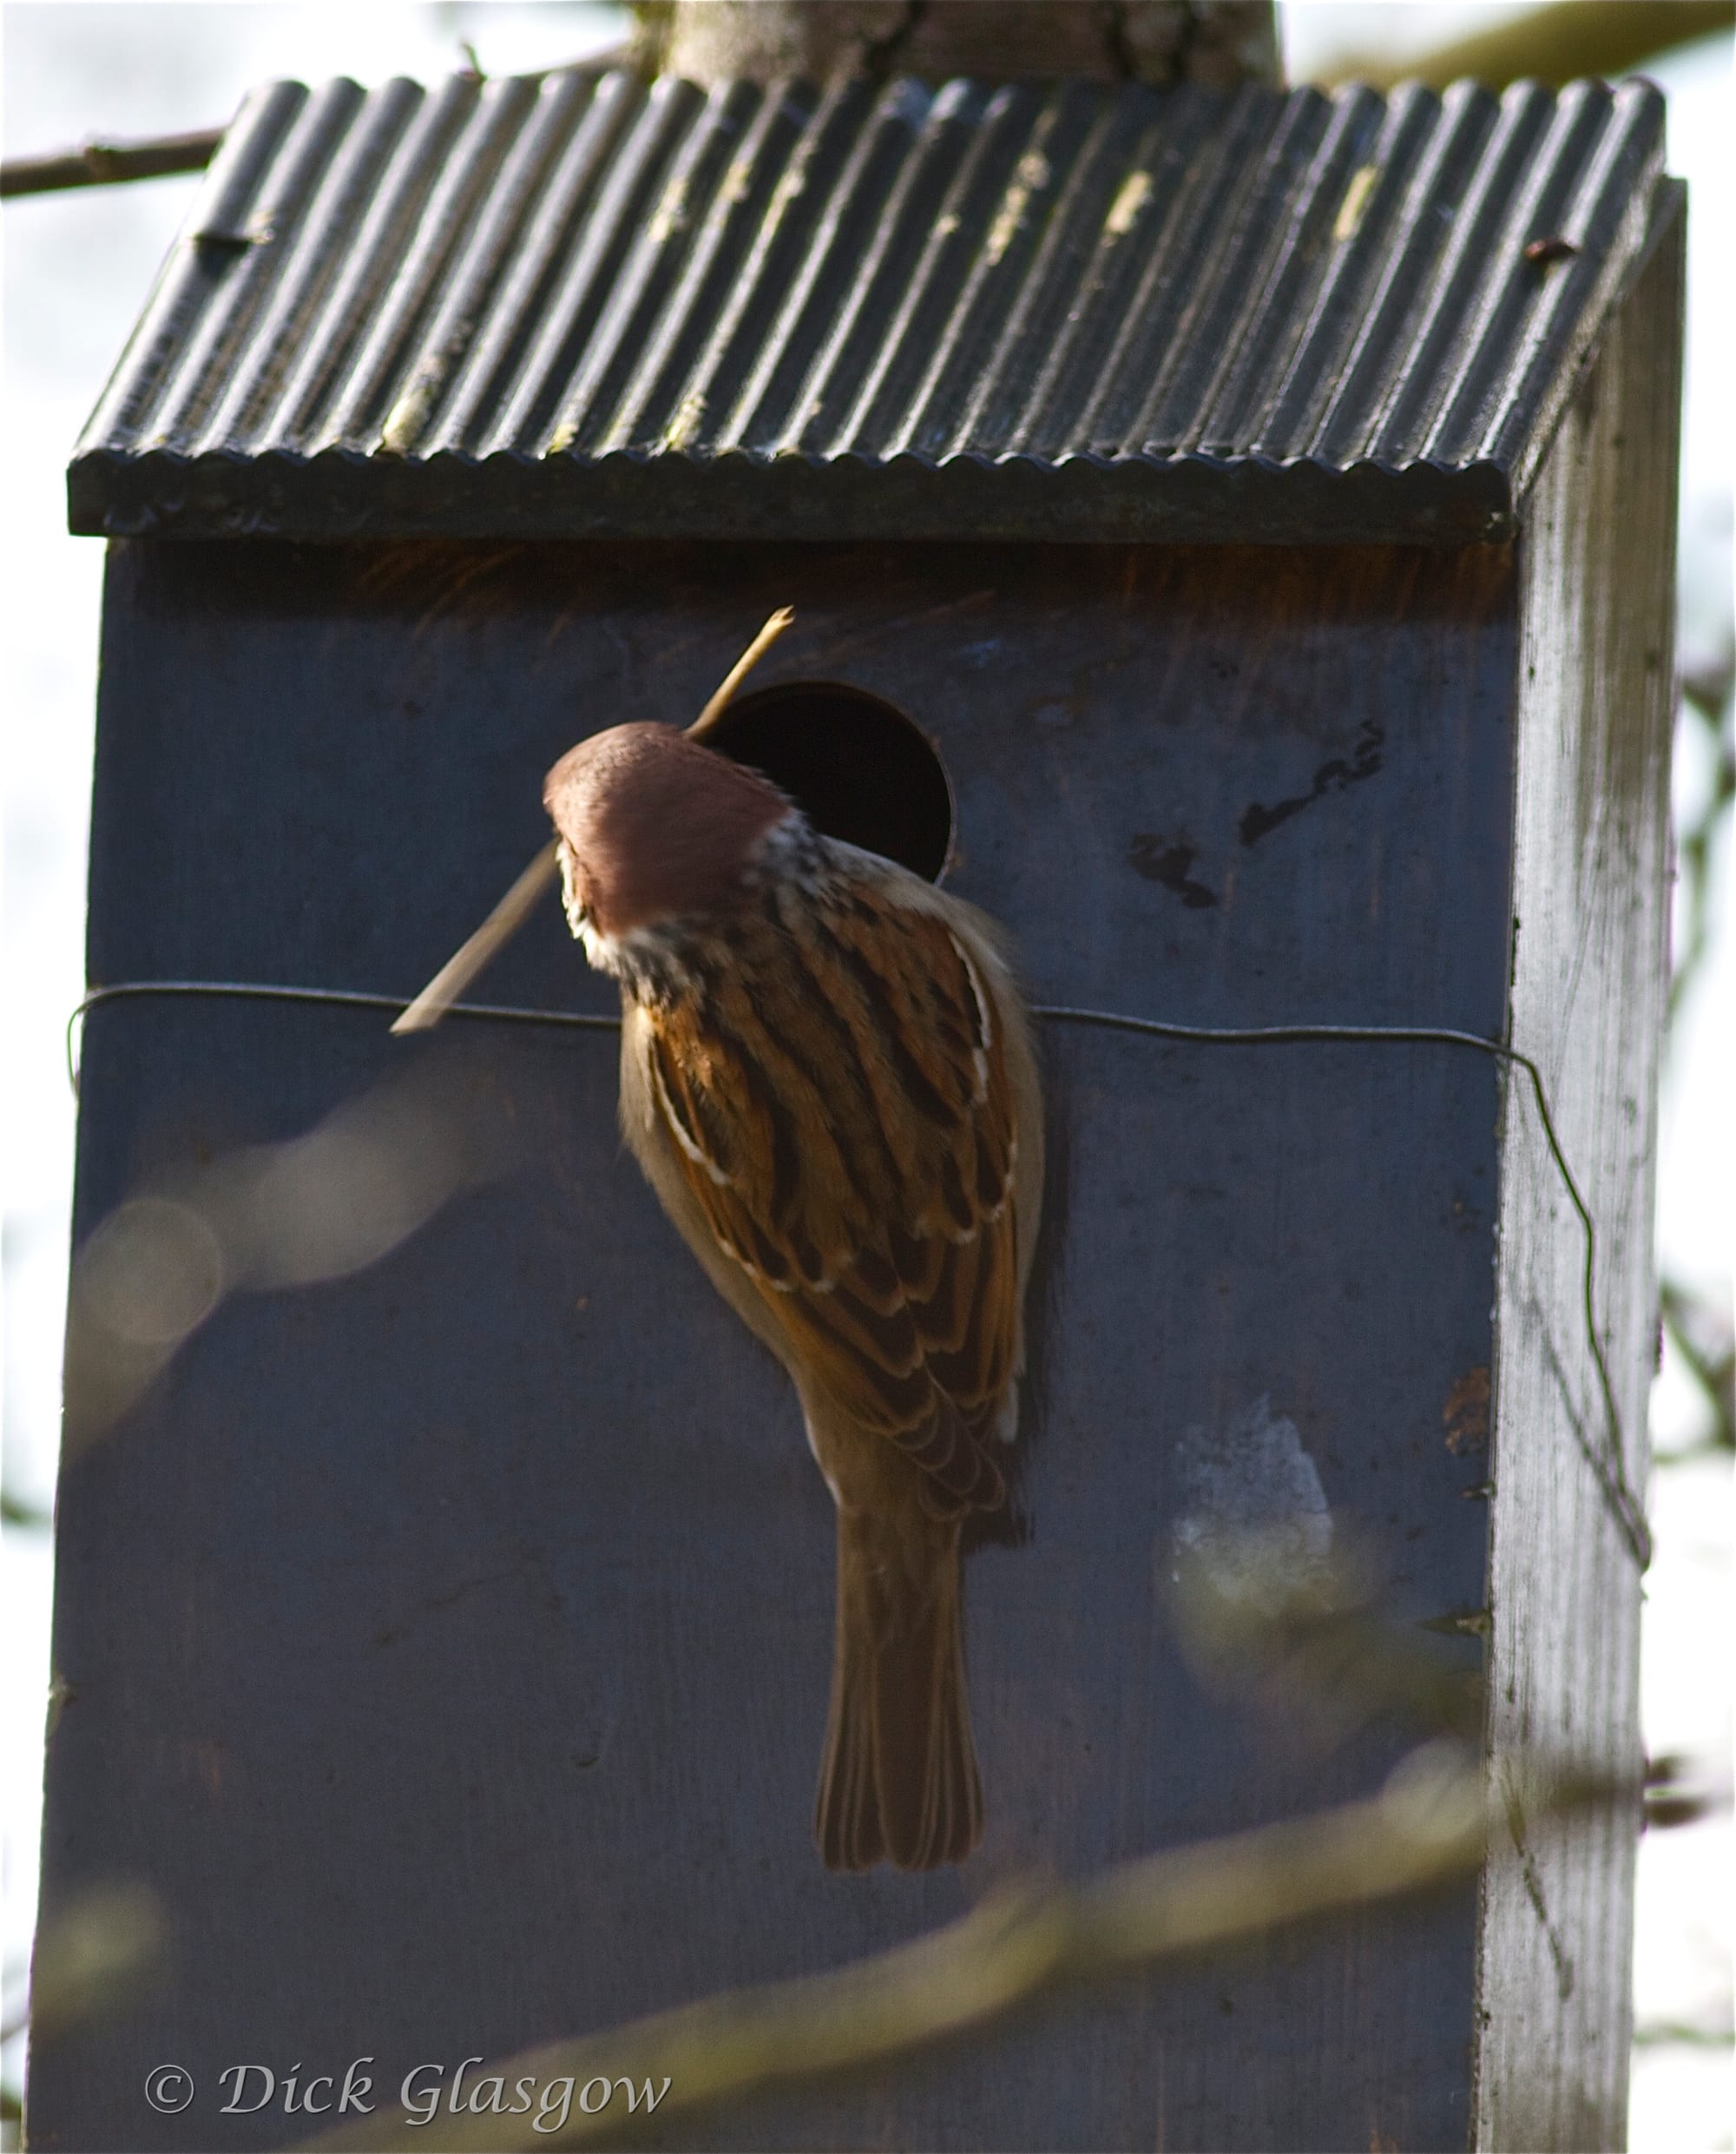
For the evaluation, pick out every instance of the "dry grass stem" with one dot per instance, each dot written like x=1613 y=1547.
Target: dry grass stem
x=462 y=967
x=775 y=625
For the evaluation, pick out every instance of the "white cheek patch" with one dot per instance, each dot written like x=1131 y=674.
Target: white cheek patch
x=571 y=903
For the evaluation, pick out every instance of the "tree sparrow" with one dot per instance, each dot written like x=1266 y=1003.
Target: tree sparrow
x=827 y=1078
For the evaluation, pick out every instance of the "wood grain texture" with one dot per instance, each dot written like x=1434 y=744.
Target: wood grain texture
x=449 y=1646
x=1591 y=899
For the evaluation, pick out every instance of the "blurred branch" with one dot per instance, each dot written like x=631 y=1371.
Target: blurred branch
x=1682 y=1790
x=1306 y=1643
x=320 y=1205
x=1699 y=1326
x=1551 y=44
x=1702 y=1335
x=1311 y=1628
x=98 y=1955
x=107 y=164
x=1669 y=2033
x=1426 y=1829
x=1705 y=699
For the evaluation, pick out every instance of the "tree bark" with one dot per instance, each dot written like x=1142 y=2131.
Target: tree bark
x=1216 y=42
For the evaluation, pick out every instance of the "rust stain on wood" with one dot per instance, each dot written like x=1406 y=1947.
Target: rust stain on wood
x=1465 y=1415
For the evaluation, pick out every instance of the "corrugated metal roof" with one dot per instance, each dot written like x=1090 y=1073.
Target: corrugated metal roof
x=573 y=305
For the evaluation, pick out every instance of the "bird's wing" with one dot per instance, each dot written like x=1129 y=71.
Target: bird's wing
x=841 y=1110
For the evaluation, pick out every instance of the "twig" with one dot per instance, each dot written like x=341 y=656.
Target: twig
x=1701 y=1337
x=1428 y=1828
x=1548 y=44
x=106 y=164
x=1684 y=2034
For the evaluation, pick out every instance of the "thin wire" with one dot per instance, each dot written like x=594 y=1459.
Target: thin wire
x=1624 y=1506
x=345 y=998
x=1626 y=1509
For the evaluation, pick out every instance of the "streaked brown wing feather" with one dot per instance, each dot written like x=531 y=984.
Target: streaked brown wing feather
x=848 y=1132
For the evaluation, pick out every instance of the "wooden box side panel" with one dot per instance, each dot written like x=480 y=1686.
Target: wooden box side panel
x=1590 y=970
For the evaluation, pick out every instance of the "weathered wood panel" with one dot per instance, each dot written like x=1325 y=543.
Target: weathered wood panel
x=447 y=1645
x=1592 y=900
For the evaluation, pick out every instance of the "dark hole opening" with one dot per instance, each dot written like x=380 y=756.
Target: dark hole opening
x=857 y=768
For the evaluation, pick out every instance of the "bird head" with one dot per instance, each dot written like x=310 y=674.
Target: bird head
x=653 y=828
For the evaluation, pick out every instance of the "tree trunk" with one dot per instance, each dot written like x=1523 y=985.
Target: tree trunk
x=1216 y=42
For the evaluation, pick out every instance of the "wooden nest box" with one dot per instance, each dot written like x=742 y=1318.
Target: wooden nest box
x=1233 y=536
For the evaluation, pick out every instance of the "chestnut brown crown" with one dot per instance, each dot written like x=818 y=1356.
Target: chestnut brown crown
x=654 y=824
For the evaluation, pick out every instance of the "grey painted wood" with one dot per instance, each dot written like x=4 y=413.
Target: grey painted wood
x=1592 y=897
x=447 y=1645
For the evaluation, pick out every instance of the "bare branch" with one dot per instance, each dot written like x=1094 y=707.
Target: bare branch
x=1426 y=1829
x=1552 y=45
x=106 y=164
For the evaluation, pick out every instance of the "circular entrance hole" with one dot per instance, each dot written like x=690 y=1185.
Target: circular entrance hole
x=857 y=768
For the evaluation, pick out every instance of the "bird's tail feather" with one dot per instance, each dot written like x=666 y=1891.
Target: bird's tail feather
x=900 y=1782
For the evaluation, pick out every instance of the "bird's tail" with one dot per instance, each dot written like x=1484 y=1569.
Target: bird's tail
x=898 y=1782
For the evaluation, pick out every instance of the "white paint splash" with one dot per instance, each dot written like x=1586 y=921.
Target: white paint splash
x=1252 y=1512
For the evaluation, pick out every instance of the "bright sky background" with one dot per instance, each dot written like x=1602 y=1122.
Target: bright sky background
x=77 y=267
